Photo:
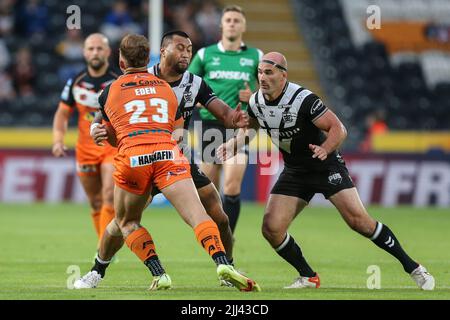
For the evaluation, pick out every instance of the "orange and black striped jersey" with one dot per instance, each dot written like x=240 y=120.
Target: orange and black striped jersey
x=81 y=93
x=141 y=109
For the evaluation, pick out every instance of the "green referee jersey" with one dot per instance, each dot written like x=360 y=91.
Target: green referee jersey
x=226 y=72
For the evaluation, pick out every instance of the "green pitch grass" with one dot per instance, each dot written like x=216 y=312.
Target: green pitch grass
x=42 y=245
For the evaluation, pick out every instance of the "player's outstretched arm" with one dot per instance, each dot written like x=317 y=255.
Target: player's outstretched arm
x=230 y=118
x=60 y=122
x=101 y=132
x=336 y=134
x=230 y=148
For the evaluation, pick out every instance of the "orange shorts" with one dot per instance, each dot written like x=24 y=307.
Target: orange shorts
x=139 y=168
x=90 y=157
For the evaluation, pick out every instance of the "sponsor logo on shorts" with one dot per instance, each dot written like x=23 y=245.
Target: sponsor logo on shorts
x=335 y=179
x=200 y=172
x=86 y=168
x=132 y=184
x=147 y=159
x=175 y=173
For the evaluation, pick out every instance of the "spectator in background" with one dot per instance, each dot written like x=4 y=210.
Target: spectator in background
x=207 y=20
x=5 y=58
x=375 y=125
x=7 y=92
x=31 y=19
x=71 y=49
x=439 y=33
x=134 y=8
x=24 y=73
x=143 y=18
x=6 y=17
x=118 y=22
x=183 y=20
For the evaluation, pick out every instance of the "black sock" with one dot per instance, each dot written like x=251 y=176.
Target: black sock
x=232 y=207
x=290 y=251
x=386 y=240
x=155 y=266
x=100 y=266
x=220 y=258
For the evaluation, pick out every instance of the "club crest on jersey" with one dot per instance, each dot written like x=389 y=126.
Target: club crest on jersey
x=289 y=117
x=89 y=116
x=246 y=62
x=216 y=61
x=335 y=179
x=188 y=96
x=147 y=159
x=184 y=85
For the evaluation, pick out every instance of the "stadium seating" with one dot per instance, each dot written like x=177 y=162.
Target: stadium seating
x=38 y=109
x=396 y=68
x=360 y=70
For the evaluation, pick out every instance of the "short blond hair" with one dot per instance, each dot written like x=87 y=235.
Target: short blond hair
x=234 y=8
x=135 y=49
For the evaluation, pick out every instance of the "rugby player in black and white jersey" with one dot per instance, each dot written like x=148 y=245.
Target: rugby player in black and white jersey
x=191 y=90
x=308 y=135
x=176 y=54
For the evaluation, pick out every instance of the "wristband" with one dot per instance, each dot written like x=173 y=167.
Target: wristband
x=93 y=126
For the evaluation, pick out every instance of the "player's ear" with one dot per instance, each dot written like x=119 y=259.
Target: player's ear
x=122 y=65
x=85 y=53
x=244 y=24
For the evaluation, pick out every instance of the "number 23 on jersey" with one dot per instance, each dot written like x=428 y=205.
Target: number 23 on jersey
x=138 y=107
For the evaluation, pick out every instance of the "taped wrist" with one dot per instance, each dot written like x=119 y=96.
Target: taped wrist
x=93 y=126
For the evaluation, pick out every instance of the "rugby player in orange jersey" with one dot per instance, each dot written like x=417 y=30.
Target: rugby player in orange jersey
x=190 y=89
x=94 y=164
x=140 y=110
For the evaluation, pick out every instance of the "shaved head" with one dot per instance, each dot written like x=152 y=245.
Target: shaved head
x=96 y=37
x=96 y=51
x=272 y=75
x=277 y=59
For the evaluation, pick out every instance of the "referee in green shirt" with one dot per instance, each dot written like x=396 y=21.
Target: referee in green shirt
x=230 y=68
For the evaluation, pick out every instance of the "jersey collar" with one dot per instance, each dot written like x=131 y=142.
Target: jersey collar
x=136 y=70
x=277 y=100
x=222 y=49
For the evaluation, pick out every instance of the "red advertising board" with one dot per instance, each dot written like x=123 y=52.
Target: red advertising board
x=387 y=180
x=32 y=175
